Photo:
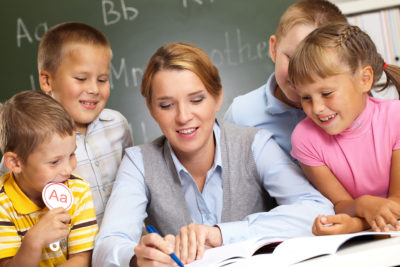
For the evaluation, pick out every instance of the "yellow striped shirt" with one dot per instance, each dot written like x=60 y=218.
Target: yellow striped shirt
x=18 y=214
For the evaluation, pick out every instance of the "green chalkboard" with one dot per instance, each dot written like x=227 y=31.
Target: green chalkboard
x=233 y=32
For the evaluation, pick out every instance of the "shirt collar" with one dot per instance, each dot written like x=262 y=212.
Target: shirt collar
x=21 y=202
x=103 y=116
x=274 y=105
x=217 y=156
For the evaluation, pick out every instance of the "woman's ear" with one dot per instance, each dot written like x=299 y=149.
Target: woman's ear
x=272 y=47
x=12 y=162
x=366 y=78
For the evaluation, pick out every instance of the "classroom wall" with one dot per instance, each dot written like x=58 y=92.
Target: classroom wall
x=234 y=33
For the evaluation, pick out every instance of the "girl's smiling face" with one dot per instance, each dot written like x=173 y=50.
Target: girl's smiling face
x=334 y=102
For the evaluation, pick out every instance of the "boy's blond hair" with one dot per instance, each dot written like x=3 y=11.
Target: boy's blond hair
x=309 y=12
x=29 y=118
x=50 y=53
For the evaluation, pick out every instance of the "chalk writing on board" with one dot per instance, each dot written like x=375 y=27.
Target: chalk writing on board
x=111 y=15
x=200 y=2
x=32 y=79
x=145 y=136
x=237 y=51
x=23 y=33
x=122 y=72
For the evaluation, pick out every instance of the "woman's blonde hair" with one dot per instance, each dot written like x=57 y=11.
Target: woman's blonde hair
x=182 y=56
x=336 y=49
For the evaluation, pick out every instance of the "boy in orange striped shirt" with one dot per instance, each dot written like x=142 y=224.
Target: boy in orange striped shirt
x=37 y=139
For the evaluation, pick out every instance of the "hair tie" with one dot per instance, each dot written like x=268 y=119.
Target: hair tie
x=384 y=65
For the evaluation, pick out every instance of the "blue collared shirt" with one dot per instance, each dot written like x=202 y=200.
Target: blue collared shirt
x=299 y=203
x=260 y=108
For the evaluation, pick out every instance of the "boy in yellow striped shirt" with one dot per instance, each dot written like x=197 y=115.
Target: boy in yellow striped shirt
x=37 y=139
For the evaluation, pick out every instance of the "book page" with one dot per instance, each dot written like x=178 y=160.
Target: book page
x=231 y=253
x=298 y=249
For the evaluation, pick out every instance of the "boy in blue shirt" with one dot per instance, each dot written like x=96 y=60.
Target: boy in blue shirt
x=276 y=105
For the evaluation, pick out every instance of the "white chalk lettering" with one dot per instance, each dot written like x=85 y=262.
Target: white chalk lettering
x=32 y=79
x=40 y=30
x=199 y=2
x=22 y=32
x=126 y=10
x=137 y=74
x=122 y=70
x=237 y=51
x=111 y=12
x=112 y=16
x=145 y=136
x=122 y=73
x=217 y=57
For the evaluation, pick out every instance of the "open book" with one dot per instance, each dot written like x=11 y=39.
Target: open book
x=284 y=253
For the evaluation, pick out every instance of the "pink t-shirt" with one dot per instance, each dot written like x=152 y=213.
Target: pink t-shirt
x=359 y=157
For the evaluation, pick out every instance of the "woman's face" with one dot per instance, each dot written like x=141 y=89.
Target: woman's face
x=185 y=111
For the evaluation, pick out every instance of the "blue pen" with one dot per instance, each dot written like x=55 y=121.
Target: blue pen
x=151 y=229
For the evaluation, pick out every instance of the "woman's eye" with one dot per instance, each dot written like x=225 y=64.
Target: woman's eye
x=165 y=105
x=198 y=99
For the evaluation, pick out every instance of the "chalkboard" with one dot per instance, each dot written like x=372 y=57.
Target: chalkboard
x=234 y=33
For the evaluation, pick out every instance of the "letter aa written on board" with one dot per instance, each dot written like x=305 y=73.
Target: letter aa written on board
x=23 y=33
x=112 y=16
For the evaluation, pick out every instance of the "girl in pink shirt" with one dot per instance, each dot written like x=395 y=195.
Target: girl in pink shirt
x=349 y=144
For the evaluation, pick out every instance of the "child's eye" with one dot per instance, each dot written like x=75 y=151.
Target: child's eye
x=325 y=94
x=54 y=162
x=103 y=80
x=198 y=99
x=81 y=79
x=305 y=98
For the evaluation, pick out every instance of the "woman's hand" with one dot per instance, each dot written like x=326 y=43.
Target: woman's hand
x=193 y=239
x=378 y=212
x=153 y=250
x=337 y=224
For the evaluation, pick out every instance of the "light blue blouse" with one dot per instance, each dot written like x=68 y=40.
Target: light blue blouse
x=299 y=203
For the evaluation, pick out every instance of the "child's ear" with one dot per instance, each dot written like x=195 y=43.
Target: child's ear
x=45 y=81
x=12 y=162
x=366 y=78
x=272 y=47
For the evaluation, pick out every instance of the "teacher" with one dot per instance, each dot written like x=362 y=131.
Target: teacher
x=206 y=181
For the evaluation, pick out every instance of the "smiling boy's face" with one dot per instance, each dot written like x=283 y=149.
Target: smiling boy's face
x=51 y=161
x=81 y=82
